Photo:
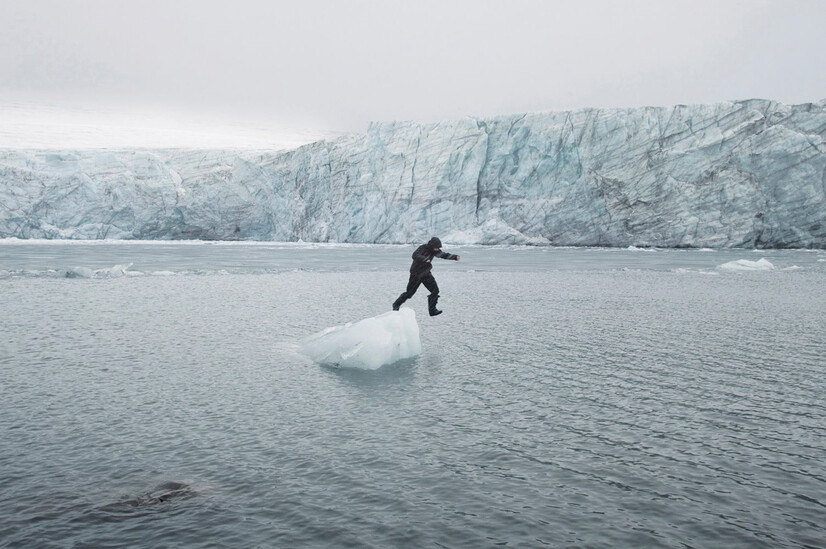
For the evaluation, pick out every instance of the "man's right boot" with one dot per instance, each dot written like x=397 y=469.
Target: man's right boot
x=431 y=304
x=398 y=302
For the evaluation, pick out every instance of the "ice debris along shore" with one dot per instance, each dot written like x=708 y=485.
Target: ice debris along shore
x=368 y=344
x=745 y=173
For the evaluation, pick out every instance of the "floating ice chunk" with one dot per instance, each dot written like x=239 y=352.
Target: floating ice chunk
x=79 y=272
x=762 y=264
x=367 y=344
x=113 y=272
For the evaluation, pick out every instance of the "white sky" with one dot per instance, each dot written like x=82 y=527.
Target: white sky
x=267 y=72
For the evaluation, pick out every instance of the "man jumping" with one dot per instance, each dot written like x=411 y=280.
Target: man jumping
x=420 y=274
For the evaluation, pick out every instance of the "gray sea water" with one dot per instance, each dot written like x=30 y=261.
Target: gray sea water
x=565 y=398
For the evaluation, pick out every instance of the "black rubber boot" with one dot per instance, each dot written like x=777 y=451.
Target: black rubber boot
x=431 y=304
x=398 y=302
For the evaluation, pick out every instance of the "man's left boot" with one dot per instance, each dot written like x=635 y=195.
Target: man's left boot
x=398 y=302
x=431 y=304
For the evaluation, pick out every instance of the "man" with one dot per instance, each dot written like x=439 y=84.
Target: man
x=420 y=274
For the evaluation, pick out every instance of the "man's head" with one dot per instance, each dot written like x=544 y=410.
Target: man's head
x=435 y=244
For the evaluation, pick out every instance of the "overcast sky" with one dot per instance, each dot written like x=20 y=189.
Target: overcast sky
x=335 y=65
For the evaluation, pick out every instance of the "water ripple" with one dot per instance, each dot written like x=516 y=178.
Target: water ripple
x=591 y=408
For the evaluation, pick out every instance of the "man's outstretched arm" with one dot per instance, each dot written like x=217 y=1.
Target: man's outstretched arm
x=445 y=255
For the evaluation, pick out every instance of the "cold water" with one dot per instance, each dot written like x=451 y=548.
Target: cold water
x=153 y=396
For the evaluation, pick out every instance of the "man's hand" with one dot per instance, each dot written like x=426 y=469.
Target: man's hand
x=457 y=258
x=427 y=261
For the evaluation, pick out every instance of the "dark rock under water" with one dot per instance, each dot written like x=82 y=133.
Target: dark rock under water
x=166 y=492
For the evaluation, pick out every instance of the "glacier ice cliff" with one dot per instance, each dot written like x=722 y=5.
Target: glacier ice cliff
x=744 y=173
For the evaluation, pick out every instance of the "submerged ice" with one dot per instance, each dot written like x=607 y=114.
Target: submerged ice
x=367 y=344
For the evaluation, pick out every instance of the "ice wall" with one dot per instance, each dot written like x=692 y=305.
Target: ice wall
x=745 y=173
x=368 y=344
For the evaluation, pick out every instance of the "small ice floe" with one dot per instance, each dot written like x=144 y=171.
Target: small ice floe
x=743 y=265
x=113 y=272
x=85 y=272
x=367 y=344
x=703 y=272
x=79 y=272
x=633 y=248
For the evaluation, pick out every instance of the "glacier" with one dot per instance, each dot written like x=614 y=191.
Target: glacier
x=367 y=344
x=748 y=173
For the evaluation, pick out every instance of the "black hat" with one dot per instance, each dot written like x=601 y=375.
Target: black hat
x=434 y=243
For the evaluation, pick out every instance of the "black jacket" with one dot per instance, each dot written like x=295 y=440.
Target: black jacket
x=421 y=266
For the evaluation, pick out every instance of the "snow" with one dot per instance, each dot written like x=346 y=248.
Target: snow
x=367 y=344
x=740 y=265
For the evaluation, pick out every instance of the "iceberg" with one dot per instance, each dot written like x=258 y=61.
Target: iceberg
x=762 y=264
x=367 y=344
x=745 y=173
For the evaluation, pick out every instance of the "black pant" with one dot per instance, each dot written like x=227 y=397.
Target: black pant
x=415 y=280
